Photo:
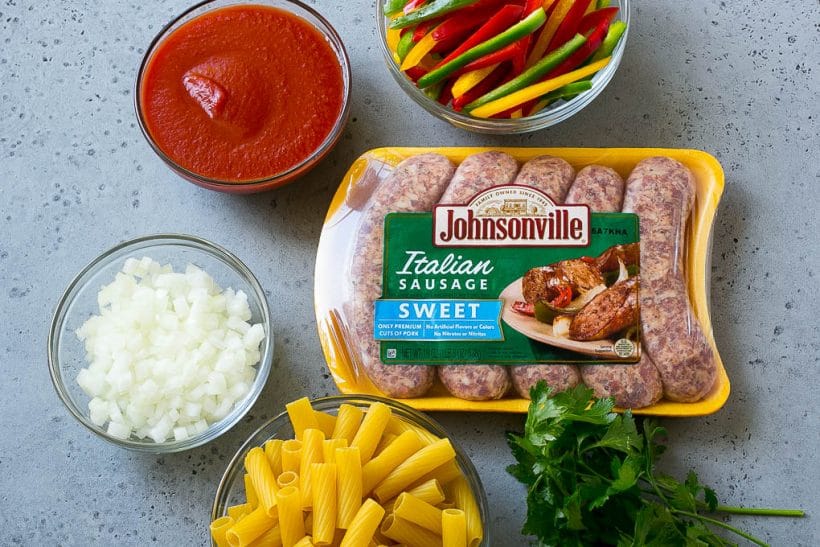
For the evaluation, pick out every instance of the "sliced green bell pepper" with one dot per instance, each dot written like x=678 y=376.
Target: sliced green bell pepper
x=533 y=74
x=392 y=7
x=568 y=91
x=616 y=30
x=405 y=45
x=430 y=11
x=526 y=26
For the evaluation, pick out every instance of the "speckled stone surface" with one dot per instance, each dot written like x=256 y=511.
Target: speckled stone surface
x=738 y=79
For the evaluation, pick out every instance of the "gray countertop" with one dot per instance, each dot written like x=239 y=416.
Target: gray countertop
x=737 y=79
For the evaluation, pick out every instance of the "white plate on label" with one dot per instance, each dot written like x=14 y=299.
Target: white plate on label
x=534 y=329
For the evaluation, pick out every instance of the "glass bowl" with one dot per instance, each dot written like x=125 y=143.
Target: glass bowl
x=231 y=489
x=66 y=353
x=294 y=7
x=558 y=112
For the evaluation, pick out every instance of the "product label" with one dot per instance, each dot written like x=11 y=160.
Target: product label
x=509 y=278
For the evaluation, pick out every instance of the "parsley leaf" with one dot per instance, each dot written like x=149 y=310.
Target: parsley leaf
x=591 y=480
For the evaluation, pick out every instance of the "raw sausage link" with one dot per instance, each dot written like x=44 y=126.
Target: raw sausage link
x=632 y=386
x=415 y=185
x=662 y=192
x=553 y=176
x=476 y=173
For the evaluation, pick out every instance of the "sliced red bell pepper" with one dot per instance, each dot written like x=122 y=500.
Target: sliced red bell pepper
x=564 y=296
x=569 y=26
x=460 y=24
x=448 y=45
x=490 y=4
x=446 y=93
x=593 y=19
x=526 y=26
x=501 y=73
x=413 y=5
x=524 y=308
x=594 y=41
x=416 y=72
x=506 y=16
x=422 y=30
x=532 y=5
x=507 y=53
x=520 y=60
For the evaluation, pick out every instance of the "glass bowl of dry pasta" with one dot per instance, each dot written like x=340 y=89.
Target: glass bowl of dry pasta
x=350 y=471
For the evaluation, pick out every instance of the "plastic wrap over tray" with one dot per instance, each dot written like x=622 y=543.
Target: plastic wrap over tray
x=677 y=207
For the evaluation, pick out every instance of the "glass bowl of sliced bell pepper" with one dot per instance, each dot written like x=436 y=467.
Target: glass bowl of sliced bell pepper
x=503 y=66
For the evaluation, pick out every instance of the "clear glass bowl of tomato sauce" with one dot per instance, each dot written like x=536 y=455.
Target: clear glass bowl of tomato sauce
x=208 y=106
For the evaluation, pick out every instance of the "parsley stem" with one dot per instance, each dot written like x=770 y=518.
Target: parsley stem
x=732 y=510
x=762 y=511
x=716 y=522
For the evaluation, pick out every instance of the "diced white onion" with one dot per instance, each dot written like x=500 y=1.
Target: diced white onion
x=168 y=354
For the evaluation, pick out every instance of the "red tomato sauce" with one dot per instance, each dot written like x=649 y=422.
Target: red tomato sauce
x=241 y=93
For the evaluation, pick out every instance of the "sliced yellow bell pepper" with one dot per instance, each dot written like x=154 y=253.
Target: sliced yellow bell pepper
x=517 y=114
x=536 y=90
x=554 y=21
x=392 y=38
x=422 y=48
x=538 y=107
x=469 y=80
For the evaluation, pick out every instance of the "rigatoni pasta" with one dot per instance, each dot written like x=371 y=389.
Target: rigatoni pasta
x=462 y=496
x=273 y=451
x=402 y=447
x=251 y=527
x=414 y=467
x=454 y=528
x=364 y=525
x=291 y=519
x=312 y=440
x=291 y=455
x=271 y=538
x=329 y=447
x=371 y=430
x=301 y=416
x=406 y=532
x=429 y=491
x=362 y=478
x=347 y=422
x=410 y=508
x=288 y=478
x=219 y=528
x=306 y=541
x=250 y=492
x=349 y=484
x=262 y=479
x=323 y=487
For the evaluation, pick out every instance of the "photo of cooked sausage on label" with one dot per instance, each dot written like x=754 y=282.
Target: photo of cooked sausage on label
x=581 y=304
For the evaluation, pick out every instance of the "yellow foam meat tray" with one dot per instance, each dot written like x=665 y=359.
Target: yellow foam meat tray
x=366 y=172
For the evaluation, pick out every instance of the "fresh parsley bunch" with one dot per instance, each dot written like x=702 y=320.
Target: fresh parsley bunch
x=591 y=480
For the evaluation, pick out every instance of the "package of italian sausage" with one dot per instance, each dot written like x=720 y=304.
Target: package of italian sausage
x=458 y=278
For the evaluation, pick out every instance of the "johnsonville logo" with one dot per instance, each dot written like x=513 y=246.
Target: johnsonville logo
x=511 y=216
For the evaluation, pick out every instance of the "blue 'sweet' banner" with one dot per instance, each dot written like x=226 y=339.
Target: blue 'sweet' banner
x=438 y=319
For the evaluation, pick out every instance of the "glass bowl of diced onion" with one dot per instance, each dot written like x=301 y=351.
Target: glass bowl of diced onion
x=554 y=113
x=161 y=344
x=231 y=494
